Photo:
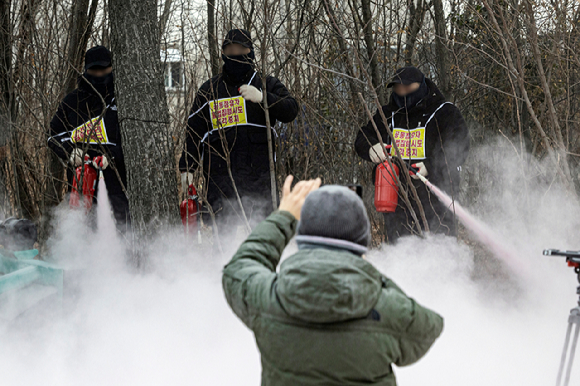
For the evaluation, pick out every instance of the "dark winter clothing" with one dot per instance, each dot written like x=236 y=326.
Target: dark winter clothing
x=242 y=125
x=238 y=66
x=328 y=317
x=442 y=145
x=77 y=125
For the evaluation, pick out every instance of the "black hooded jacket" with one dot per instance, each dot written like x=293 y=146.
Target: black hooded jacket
x=433 y=132
x=241 y=126
x=77 y=124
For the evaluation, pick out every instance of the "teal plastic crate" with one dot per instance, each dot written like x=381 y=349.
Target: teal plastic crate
x=25 y=282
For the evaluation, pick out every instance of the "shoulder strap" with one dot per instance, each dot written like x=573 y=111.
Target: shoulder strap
x=252 y=78
x=434 y=112
x=198 y=110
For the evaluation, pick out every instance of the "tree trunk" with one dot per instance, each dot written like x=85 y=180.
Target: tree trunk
x=5 y=66
x=80 y=29
x=212 y=39
x=271 y=150
x=441 y=52
x=7 y=97
x=79 y=32
x=164 y=17
x=23 y=195
x=342 y=44
x=148 y=147
x=516 y=70
x=371 y=52
x=416 y=15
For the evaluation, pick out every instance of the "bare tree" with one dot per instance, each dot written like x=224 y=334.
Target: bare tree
x=416 y=16
x=441 y=51
x=8 y=103
x=81 y=27
x=212 y=38
x=143 y=117
x=512 y=67
x=368 y=28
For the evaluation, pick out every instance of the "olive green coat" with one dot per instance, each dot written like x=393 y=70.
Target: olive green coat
x=328 y=317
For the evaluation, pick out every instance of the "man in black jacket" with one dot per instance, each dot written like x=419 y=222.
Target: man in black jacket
x=228 y=120
x=431 y=136
x=86 y=123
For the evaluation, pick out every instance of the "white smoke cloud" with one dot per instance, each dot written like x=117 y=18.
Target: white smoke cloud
x=172 y=326
x=506 y=333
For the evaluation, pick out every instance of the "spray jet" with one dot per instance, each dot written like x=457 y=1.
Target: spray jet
x=489 y=238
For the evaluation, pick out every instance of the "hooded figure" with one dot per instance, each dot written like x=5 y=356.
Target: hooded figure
x=77 y=129
x=431 y=135
x=228 y=123
x=328 y=317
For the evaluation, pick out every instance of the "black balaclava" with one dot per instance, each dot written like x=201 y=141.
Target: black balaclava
x=237 y=67
x=103 y=84
x=410 y=100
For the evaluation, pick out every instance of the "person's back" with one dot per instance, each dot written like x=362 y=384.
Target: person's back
x=328 y=317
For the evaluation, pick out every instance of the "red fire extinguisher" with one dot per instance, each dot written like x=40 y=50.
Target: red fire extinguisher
x=88 y=174
x=386 y=188
x=189 y=209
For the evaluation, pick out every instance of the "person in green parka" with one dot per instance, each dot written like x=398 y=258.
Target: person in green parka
x=328 y=317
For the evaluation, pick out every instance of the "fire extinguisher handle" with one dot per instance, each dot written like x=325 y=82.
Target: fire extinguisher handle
x=413 y=170
x=98 y=162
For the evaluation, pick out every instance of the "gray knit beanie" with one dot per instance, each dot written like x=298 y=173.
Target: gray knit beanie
x=335 y=212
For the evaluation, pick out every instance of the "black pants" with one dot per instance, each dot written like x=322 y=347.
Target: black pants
x=441 y=219
x=255 y=196
x=254 y=192
x=120 y=207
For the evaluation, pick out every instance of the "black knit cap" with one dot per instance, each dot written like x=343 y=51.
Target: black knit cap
x=97 y=56
x=407 y=75
x=239 y=36
x=335 y=212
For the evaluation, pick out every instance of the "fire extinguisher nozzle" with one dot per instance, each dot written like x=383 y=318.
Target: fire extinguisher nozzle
x=422 y=178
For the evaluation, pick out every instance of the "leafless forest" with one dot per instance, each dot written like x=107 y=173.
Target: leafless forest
x=512 y=67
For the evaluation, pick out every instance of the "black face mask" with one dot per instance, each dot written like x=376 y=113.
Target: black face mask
x=237 y=67
x=103 y=84
x=410 y=100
